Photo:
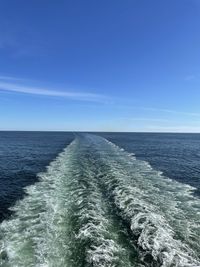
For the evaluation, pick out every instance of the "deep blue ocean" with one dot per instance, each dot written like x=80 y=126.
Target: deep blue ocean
x=99 y=199
x=177 y=155
x=22 y=156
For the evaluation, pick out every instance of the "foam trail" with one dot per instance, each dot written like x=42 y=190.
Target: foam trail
x=98 y=206
x=63 y=220
x=162 y=214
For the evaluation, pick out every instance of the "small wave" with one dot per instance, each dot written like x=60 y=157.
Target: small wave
x=162 y=214
x=97 y=205
x=63 y=220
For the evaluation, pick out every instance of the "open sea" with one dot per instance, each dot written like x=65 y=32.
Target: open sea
x=99 y=199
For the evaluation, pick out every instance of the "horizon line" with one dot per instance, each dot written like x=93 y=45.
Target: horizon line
x=75 y=131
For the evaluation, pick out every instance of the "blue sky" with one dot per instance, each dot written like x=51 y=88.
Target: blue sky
x=128 y=65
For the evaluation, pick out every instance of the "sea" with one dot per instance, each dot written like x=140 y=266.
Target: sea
x=99 y=199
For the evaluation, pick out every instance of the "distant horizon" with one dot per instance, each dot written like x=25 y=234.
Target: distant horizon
x=71 y=131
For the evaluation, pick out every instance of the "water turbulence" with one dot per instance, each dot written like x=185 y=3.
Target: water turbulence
x=97 y=205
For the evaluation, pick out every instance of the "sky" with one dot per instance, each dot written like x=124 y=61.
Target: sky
x=117 y=65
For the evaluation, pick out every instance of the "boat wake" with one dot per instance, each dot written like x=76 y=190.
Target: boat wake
x=97 y=205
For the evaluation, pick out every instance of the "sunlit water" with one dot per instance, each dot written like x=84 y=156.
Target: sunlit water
x=99 y=205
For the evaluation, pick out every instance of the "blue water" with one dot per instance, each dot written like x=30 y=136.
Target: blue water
x=99 y=200
x=176 y=155
x=22 y=156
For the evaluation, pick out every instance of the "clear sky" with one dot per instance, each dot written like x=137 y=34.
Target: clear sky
x=109 y=65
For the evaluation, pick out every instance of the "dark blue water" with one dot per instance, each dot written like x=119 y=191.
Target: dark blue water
x=176 y=155
x=22 y=156
x=95 y=204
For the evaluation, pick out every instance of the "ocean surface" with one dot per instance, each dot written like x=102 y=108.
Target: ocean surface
x=22 y=156
x=99 y=199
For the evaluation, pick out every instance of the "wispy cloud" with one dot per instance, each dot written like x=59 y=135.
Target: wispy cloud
x=10 y=78
x=147 y=119
x=15 y=87
x=162 y=110
x=171 y=111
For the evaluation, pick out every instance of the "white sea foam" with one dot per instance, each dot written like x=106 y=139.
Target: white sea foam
x=66 y=218
x=63 y=220
x=162 y=214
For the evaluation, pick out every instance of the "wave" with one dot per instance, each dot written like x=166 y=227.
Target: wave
x=97 y=205
x=162 y=214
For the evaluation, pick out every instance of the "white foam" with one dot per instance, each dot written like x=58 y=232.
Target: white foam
x=66 y=215
x=62 y=212
x=159 y=210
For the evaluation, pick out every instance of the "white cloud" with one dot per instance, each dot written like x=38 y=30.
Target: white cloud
x=141 y=119
x=10 y=78
x=172 y=111
x=162 y=110
x=23 y=89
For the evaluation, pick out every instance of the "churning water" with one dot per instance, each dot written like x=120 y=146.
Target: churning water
x=98 y=205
